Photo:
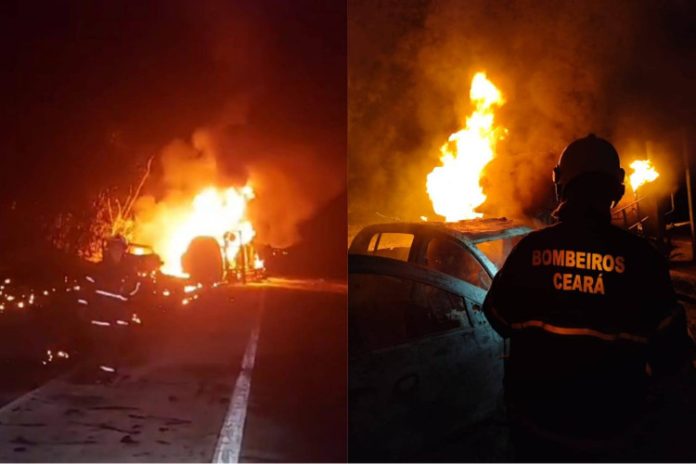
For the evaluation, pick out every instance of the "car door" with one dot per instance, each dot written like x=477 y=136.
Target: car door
x=463 y=383
x=414 y=348
x=383 y=378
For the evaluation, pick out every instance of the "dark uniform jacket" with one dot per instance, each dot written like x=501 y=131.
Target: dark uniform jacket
x=106 y=294
x=589 y=310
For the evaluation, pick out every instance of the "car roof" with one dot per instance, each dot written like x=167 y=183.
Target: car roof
x=472 y=230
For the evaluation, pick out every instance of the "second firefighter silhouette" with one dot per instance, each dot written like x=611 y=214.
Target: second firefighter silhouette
x=590 y=314
x=105 y=299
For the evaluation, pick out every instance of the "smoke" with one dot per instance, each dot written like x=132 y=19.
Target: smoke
x=275 y=70
x=291 y=182
x=285 y=201
x=623 y=70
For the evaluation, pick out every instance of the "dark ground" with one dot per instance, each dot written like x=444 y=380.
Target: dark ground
x=169 y=404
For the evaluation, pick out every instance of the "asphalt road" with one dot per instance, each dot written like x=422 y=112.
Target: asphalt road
x=252 y=373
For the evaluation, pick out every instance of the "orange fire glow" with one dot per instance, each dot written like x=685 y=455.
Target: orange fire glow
x=212 y=212
x=643 y=172
x=454 y=187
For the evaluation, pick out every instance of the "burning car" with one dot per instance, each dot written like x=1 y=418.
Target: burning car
x=206 y=262
x=424 y=362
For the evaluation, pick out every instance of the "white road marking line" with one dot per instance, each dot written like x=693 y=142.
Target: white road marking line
x=229 y=444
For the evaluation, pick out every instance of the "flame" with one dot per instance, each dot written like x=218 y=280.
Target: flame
x=212 y=212
x=643 y=172
x=454 y=187
x=138 y=250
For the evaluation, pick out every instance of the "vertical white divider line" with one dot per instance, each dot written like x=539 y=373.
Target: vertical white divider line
x=229 y=444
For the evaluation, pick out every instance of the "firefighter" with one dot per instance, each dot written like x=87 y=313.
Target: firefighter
x=591 y=320
x=106 y=309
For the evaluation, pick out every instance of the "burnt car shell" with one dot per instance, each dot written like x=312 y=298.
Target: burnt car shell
x=424 y=362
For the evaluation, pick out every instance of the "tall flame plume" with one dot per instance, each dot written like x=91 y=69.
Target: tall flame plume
x=454 y=187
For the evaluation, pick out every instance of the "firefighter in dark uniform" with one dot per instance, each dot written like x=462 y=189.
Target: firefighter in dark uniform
x=591 y=318
x=105 y=300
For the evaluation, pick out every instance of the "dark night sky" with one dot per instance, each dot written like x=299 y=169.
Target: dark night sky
x=90 y=89
x=84 y=83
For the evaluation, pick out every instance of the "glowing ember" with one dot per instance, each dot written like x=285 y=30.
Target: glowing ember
x=214 y=212
x=454 y=187
x=643 y=172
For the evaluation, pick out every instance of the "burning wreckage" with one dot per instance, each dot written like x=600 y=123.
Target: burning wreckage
x=206 y=240
x=199 y=244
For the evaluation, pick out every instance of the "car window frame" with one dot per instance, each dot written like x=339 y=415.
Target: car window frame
x=379 y=265
x=424 y=239
x=379 y=234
